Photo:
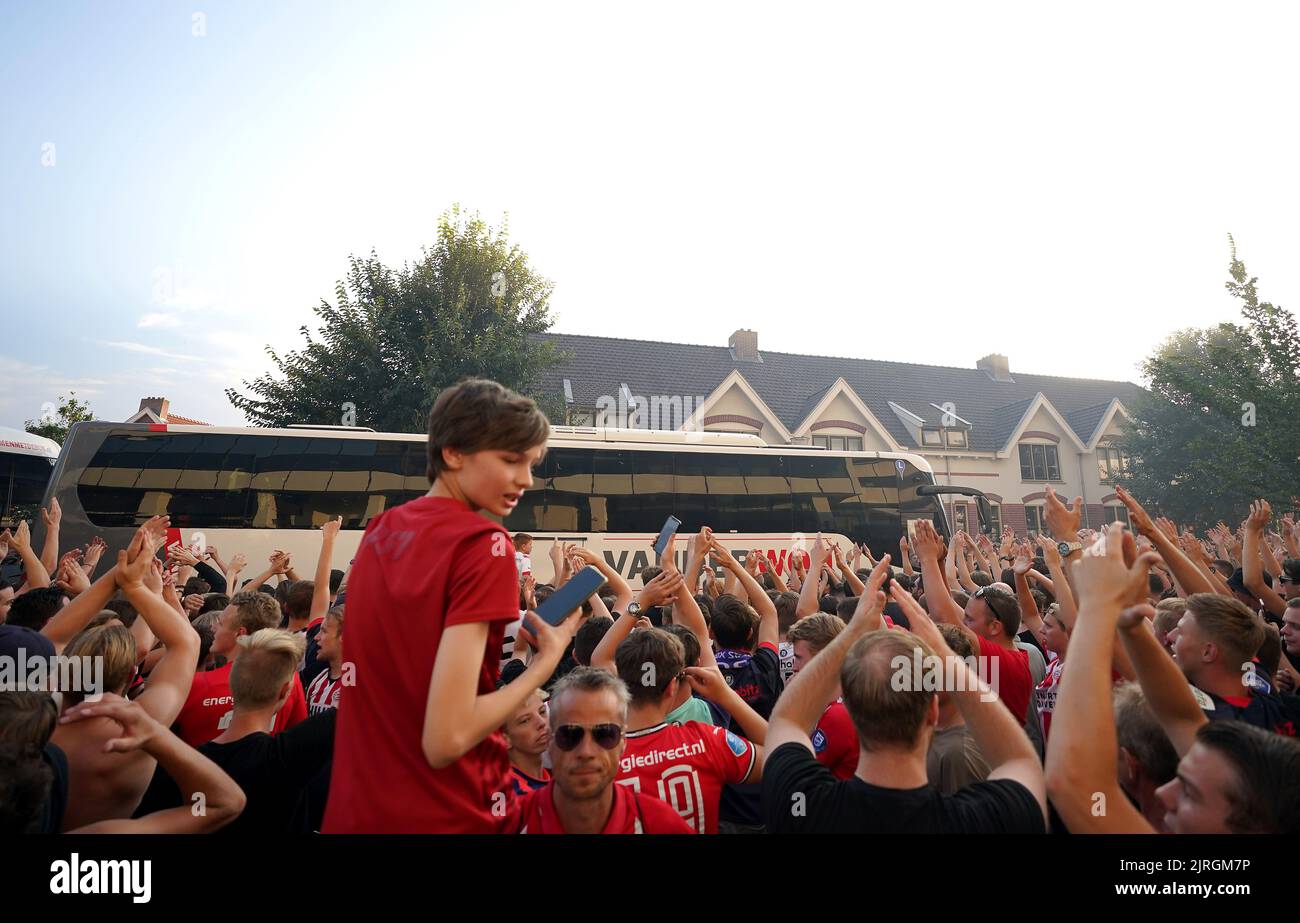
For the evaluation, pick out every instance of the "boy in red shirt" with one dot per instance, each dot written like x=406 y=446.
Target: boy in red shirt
x=209 y=708
x=687 y=764
x=418 y=747
x=588 y=714
x=835 y=740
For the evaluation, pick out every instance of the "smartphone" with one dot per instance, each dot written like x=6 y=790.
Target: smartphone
x=666 y=533
x=566 y=599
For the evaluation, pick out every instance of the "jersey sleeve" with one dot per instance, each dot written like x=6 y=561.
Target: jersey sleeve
x=734 y=755
x=767 y=664
x=484 y=586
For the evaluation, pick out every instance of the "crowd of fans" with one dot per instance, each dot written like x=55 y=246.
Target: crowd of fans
x=923 y=690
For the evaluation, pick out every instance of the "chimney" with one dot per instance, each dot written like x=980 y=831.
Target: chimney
x=995 y=366
x=158 y=405
x=744 y=345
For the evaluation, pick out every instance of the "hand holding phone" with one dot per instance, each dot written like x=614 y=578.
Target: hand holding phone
x=571 y=596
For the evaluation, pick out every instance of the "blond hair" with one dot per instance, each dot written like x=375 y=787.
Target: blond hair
x=268 y=659
x=255 y=610
x=113 y=642
x=1227 y=622
x=816 y=630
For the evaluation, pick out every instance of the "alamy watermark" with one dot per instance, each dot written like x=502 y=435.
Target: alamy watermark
x=659 y=411
x=932 y=673
x=60 y=673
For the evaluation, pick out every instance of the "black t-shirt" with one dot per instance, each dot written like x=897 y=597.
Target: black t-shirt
x=755 y=677
x=274 y=773
x=800 y=795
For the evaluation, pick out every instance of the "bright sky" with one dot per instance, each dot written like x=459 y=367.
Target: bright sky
x=924 y=182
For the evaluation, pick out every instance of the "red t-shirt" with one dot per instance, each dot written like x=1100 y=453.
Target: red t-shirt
x=1015 y=684
x=836 y=741
x=421 y=567
x=686 y=765
x=631 y=812
x=210 y=706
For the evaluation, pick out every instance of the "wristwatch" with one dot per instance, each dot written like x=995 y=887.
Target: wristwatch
x=1068 y=548
x=634 y=609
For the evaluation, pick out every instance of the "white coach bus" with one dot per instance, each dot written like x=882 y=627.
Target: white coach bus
x=256 y=490
x=26 y=463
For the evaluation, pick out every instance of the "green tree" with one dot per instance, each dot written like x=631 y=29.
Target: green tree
x=1221 y=424
x=396 y=337
x=55 y=420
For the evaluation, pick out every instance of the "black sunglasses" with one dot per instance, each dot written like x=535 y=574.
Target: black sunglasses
x=568 y=736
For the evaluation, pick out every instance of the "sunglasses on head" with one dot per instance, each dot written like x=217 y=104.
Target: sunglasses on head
x=568 y=736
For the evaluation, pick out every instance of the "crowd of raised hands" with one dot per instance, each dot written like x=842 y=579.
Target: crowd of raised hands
x=144 y=625
x=1183 y=648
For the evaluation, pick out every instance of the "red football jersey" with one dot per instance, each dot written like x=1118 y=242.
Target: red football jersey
x=836 y=741
x=631 y=812
x=686 y=766
x=422 y=566
x=323 y=692
x=1014 y=683
x=210 y=706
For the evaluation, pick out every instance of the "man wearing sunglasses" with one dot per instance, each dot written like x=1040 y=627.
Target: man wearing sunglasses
x=991 y=621
x=588 y=714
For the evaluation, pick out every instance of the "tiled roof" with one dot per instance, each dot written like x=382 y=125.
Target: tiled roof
x=792 y=384
x=184 y=421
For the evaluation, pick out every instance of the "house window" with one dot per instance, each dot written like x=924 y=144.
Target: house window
x=1039 y=462
x=931 y=437
x=1116 y=514
x=959 y=516
x=1112 y=463
x=839 y=443
x=957 y=438
x=580 y=416
x=1035 y=521
x=995 y=523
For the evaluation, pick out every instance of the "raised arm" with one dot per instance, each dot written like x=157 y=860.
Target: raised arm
x=36 y=574
x=666 y=586
x=943 y=608
x=1064 y=596
x=76 y=615
x=1184 y=571
x=456 y=717
x=320 y=596
x=811 y=689
x=904 y=553
x=201 y=781
x=169 y=682
x=1252 y=568
x=853 y=580
x=768 y=627
x=808 y=599
x=1163 y=684
x=50 y=549
x=1083 y=749
x=613 y=579
x=1029 y=615
x=963 y=569
x=1000 y=737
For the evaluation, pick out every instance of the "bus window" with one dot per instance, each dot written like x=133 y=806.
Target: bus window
x=731 y=492
x=877 y=482
x=826 y=496
x=22 y=486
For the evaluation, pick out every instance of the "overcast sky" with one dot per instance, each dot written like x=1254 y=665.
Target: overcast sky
x=923 y=182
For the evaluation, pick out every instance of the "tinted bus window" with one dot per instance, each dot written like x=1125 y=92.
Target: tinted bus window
x=732 y=492
x=248 y=481
x=22 y=486
x=826 y=497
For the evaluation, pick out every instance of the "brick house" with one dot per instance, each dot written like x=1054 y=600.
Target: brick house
x=1004 y=432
